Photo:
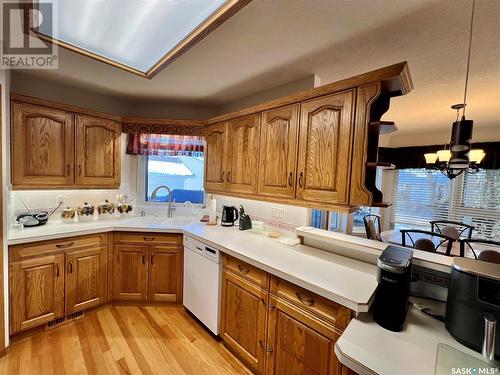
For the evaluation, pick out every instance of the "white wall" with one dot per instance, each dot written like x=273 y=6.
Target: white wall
x=5 y=120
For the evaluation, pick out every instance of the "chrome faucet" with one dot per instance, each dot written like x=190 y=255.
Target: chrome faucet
x=192 y=207
x=153 y=197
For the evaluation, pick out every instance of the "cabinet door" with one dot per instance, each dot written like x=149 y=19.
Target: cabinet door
x=97 y=152
x=165 y=273
x=215 y=157
x=86 y=283
x=243 y=154
x=278 y=149
x=36 y=291
x=299 y=343
x=325 y=148
x=42 y=146
x=243 y=320
x=131 y=273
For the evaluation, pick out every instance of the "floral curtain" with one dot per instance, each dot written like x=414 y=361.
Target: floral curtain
x=165 y=145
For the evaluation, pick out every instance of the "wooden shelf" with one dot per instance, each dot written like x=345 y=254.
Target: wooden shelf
x=385 y=127
x=380 y=164
x=381 y=204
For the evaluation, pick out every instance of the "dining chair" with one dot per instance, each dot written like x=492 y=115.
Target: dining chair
x=489 y=251
x=372 y=227
x=450 y=228
x=423 y=240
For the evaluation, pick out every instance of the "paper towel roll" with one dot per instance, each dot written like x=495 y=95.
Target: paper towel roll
x=212 y=209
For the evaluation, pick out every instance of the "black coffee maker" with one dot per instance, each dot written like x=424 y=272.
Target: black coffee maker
x=391 y=298
x=229 y=216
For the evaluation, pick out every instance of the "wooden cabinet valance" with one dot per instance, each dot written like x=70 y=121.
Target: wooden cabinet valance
x=171 y=127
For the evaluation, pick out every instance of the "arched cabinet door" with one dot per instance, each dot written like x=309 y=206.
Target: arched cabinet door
x=324 y=156
x=243 y=154
x=42 y=146
x=215 y=157
x=278 y=151
x=97 y=152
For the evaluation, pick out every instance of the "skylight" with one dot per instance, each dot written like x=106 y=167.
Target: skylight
x=137 y=35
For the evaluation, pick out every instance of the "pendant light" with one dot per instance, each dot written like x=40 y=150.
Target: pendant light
x=458 y=157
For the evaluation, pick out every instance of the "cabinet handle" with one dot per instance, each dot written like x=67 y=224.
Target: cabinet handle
x=301 y=177
x=68 y=169
x=143 y=258
x=70 y=266
x=148 y=238
x=243 y=270
x=228 y=176
x=222 y=178
x=65 y=245
x=57 y=270
x=267 y=350
x=290 y=179
x=80 y=169
x=306 y=301
x=152 y=256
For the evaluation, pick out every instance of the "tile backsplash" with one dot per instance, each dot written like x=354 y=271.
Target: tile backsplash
x=280 y=216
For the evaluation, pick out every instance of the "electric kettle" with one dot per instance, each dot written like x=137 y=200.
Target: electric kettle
x=229 y=216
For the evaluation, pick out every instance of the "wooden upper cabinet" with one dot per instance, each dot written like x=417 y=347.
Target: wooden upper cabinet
x=36 y=291
x=97 y=152
x=42 y=146
x=278 y=150
x=325 y=148
x=86 y=278
x=242 y=156
x=165 y=273
x=215 y=157
x=130 y=273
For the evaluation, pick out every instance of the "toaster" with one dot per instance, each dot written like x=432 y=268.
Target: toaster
x=473 y=305
x=33 y=219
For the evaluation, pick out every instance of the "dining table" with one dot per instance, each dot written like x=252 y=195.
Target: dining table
x=393 y=236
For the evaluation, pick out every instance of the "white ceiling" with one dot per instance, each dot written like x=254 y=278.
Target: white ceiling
x=271 y=42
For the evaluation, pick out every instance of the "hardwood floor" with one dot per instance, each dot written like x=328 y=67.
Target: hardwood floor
x=123 y=340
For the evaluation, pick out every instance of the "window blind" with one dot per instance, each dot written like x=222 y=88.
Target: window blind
x=421 y=196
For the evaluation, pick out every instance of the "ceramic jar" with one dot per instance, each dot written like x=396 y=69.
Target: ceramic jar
x=68 y=215
x=124 y=209
x=86 y=212
x=106 y=210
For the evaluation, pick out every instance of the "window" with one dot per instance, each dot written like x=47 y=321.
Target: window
x=421 y=196
x=182 y=174
x=175 y=161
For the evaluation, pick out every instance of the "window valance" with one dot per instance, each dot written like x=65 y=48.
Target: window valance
x=165 y=145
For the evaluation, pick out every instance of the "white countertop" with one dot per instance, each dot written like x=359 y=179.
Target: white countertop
x=367 y=348
x=347 y=281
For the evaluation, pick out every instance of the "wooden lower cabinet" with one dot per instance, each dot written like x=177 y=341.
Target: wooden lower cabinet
x=36 y=291
x=165 y=274
x=278 y=327
x=148 y=267
x=244 y=320
x=131 y=273
x=86 y=278
x=299 y=343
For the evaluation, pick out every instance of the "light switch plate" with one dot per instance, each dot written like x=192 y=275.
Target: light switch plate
x=278 y=213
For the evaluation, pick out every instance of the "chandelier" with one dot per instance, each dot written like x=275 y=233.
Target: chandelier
x=457 y=156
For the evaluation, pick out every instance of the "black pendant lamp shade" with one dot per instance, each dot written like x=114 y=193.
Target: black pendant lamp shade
x=460 y=145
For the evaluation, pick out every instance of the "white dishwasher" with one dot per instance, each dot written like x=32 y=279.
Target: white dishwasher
x=201 y=293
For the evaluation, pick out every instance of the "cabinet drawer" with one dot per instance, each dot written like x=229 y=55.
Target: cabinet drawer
x=29 y=250
x=149 y=238
x=246 y=271
x=323 y=308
